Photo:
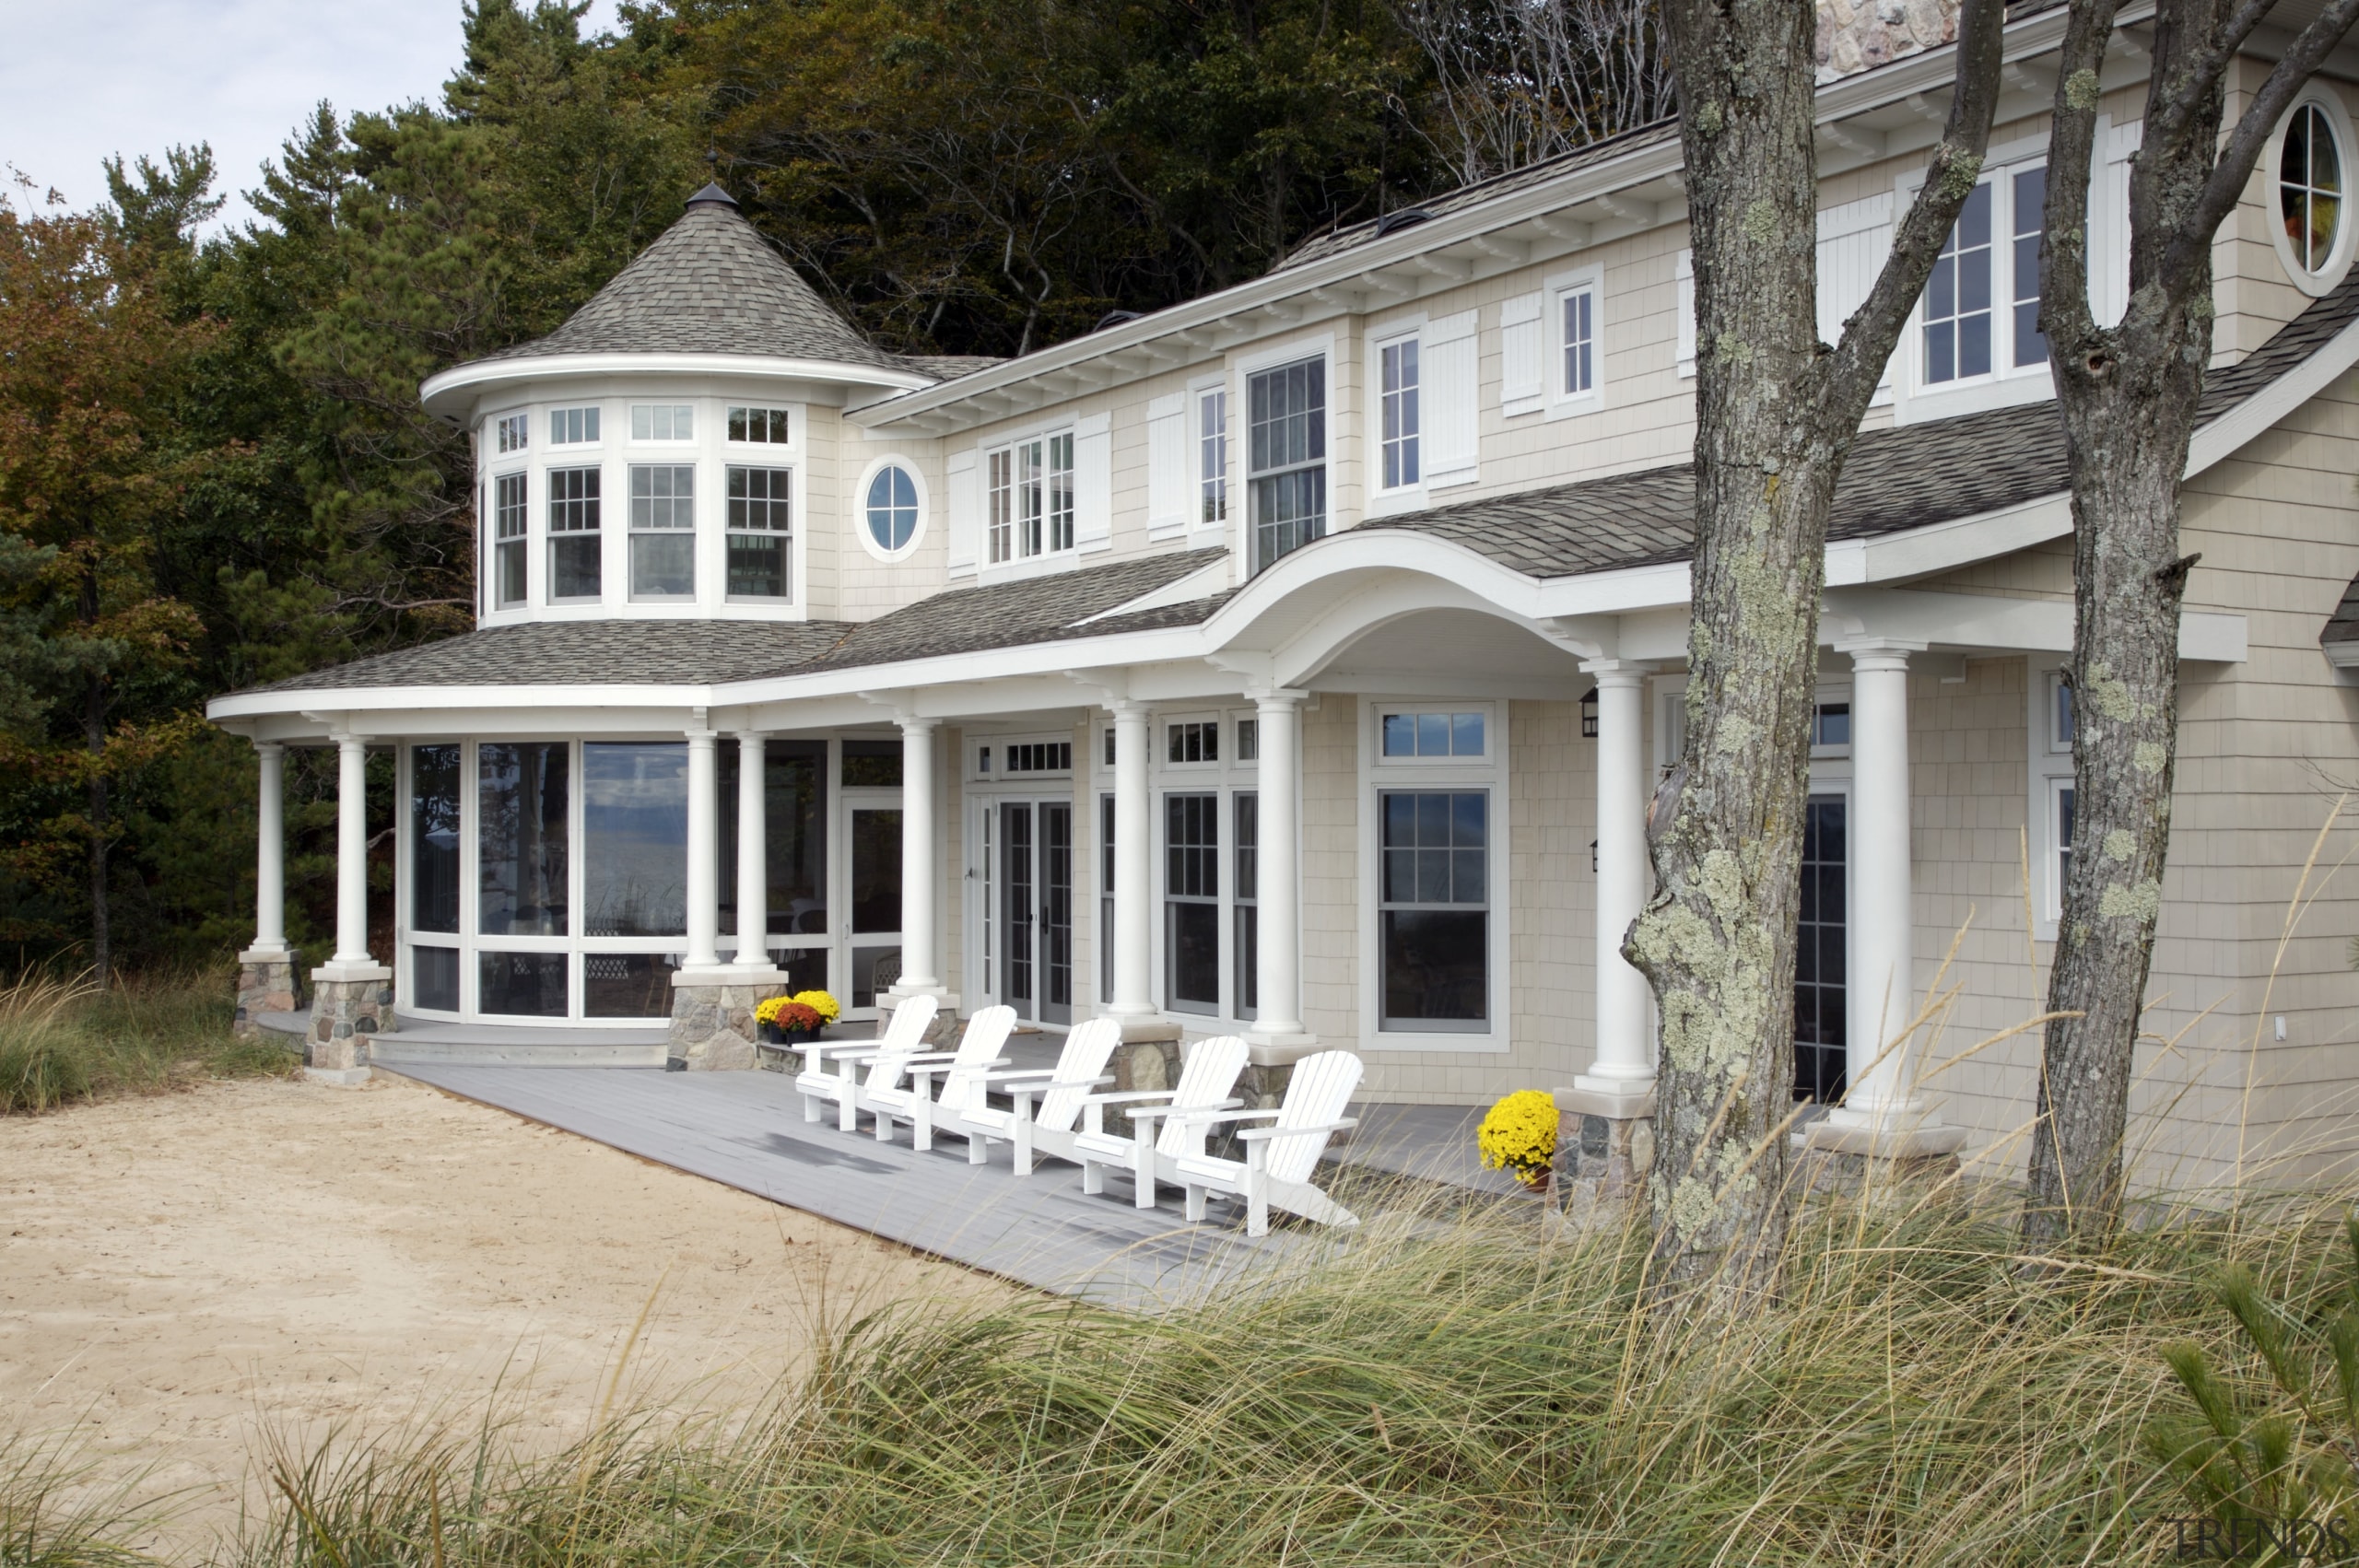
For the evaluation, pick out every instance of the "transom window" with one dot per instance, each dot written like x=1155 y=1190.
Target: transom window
x=760 y=425
x=512 y=431
x=1037 y=757
x=2310 y=187
x=508 y=526
x=574 y=549
x=761 y=520
x=1399 y=372
x=1286 y=457
x=662 y=537
x=1212 y=444
x=1579 y=326
x=663 y=422
x=1434 y=735
x=1194 y=741
x=1830 y=725
x=572 y=426
x=1248 y=740
x=892 y=508
x=1435 y=910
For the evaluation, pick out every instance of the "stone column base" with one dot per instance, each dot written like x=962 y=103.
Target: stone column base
x=351 y=1004
x=713 y=1018
x=1834 y=1157
x=1605 y=1143
x=269 y=980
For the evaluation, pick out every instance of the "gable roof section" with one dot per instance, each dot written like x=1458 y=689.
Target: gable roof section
x=708 y=285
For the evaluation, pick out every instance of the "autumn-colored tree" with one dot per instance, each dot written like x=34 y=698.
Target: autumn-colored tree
x=87 y=340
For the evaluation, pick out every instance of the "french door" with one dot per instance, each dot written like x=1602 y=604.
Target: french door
x=1822 y=1034
x=1028 y=896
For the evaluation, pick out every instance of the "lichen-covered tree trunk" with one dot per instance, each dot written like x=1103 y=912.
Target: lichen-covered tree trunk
x=1776 y=415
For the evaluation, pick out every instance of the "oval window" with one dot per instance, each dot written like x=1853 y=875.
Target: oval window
x=2310 y=187
x=892 y=509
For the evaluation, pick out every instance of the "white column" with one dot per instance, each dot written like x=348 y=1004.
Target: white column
x=1133 y=834
x=1626 y=1057
x=921 y=864
x=1882 y=975
x=1277 y=889
x=352 y=859
x=704 y=852
x=270 y=857
x=753 y=856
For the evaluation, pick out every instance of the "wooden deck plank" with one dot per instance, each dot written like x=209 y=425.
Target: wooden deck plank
x=745 y=1130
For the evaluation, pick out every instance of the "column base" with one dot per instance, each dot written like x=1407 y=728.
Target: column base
x=713 y=1018
x=270 y=979
x=350 y=1006
x=939 y=992
x=1605 y=1142
x=1852 y=1151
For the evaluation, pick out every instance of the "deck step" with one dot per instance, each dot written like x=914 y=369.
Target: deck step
x=425 y=1042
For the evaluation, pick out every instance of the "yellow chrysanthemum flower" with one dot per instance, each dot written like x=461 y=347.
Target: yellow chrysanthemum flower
x=1519 y=1133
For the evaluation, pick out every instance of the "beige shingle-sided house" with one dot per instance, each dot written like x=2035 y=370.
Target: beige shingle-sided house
x=1296 y=660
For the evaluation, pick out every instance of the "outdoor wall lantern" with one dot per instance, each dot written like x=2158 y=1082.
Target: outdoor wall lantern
x=1589 y=715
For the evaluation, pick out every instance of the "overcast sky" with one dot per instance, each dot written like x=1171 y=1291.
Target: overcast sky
x=81 y=79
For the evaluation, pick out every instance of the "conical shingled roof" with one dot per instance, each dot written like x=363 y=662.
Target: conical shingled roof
x=708 y=285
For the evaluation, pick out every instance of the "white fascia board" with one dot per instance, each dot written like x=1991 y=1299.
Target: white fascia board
x=1202 y=583
x=449 y=392
x=1930 y=71
x=474 y=700
x=1989 y=622
x=1944 y=546
x=2234 y=430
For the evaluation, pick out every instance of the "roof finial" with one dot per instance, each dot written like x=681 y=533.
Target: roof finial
x=712 y=196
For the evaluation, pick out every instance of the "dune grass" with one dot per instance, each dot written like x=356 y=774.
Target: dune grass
x=1446 y=1389
x=65 y=1040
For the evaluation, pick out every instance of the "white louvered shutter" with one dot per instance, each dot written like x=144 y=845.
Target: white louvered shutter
x=1447 y=398
x=1168 y=473
x=965 y=518
x=1523 y=356
x=1093 y=482
x=1685 y=275
x=1854 y=240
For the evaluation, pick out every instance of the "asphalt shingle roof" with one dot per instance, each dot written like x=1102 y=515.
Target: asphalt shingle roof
x=587 y=653
x=711 y=284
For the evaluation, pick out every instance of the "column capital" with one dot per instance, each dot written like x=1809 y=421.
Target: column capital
x=912 y=725
x=270 y=748
x=1878 y=652
x=1277 y=697
x=750 y=734
x=1617 y=672
x=1129 y=706
x=706 y=737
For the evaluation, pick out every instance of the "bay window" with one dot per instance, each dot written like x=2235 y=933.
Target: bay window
x=760 y=530
x=575 y=550
x=508 y=526
x=662 y=531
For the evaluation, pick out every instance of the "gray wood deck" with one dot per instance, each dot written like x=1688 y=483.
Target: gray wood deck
x=745 y=1130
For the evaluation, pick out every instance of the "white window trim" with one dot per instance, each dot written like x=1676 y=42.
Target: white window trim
x=1491 y=773
x=1561 y=403
x=1222 y=742
x=2346 y=235
x=1383 y=501
x=2007 y=385
x=798 y=518
x=1827 y=694
x=1242 y=369
x=1223 y=778
x=859 y=505
x=2051 y=766
x=706 y=545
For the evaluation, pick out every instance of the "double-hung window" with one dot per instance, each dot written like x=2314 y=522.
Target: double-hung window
x=1980 y=317
x=575 y=551
x=1436 y=777
x=1397 y=369
x=662 y=531
x=508 y=525
x=1286 y=457
x=1576 y=322
x=1031 y=498
x=1212 y=455
x=761 y=526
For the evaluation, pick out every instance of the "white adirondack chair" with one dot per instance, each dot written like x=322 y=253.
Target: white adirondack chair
x=978 y=1053
x=901 y=1037
x=1047 y=1128
x=1279 y=1158
x=1207 y=1076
